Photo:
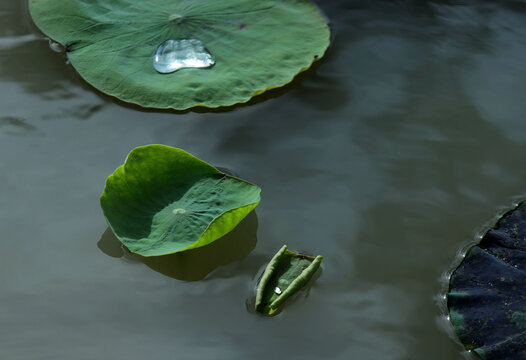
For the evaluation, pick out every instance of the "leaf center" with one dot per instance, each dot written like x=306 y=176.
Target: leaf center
x=178 y=18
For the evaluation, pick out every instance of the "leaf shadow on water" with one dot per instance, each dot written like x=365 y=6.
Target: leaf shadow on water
x=195 y=264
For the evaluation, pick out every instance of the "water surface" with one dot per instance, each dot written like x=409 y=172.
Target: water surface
x=403 y=144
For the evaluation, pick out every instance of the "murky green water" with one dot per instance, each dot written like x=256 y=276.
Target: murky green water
x=401 y=146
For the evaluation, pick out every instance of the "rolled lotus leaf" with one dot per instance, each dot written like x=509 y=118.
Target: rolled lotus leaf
x=487 y=292
x=285 y=275
x=180 y=54
x=164 y=200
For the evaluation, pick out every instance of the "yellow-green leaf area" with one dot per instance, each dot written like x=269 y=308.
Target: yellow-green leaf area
x=255 y=46
x=164 y=200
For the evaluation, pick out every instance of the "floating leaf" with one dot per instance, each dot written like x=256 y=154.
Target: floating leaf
x=285 y=274
x=226 y=51
x=487 y=292
x=164 y=200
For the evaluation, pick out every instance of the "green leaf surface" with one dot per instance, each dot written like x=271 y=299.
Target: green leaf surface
x=286 y=274
x=164 y=200
x=256 y=45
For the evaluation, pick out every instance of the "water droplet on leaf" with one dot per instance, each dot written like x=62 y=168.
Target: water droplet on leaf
x=56 y=47
x=277 y=290
x=175 y=54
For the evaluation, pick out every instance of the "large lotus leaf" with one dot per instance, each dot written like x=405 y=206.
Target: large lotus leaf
x=487 y=292
x=286 y=274
x=164 y=200
x=256 y=45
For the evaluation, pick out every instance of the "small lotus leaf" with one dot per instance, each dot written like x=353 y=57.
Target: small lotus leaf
x=254 y=46
x=164 y=200
x=285 y=275
x=487 y=292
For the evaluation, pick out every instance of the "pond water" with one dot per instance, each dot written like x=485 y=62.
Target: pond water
x=387 y=157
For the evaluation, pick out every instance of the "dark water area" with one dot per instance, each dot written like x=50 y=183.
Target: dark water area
x=398 y=149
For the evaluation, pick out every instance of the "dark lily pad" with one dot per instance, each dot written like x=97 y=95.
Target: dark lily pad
x=487 y=292
x=180 y=54
x=164 y=200
x=285 y=275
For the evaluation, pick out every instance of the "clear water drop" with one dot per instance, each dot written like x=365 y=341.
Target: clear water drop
x=56 y=47
x=175 y=54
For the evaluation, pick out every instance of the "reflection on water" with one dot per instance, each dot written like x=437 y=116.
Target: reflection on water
x=46 y=79
x=15 y=126
x=387 y=157
x=195 y=264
